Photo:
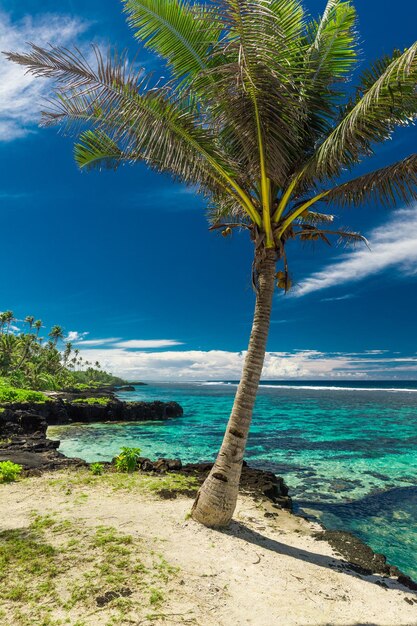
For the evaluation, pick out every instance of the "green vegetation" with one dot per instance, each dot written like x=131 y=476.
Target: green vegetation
x=258 y=115
x=13 y=394
x=29 y=361
x=101 y=401
x=97 y=469
x=153 y=484
x=56 y=571
x=127 y=460
x=9 y=471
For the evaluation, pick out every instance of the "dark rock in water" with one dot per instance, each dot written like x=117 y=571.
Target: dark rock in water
x=23 y=427
x=117 y=411
x=378 y=475
x=126 y=388
x=25 y=418
x=360 y=557
x=407 y=582
x=341 y=484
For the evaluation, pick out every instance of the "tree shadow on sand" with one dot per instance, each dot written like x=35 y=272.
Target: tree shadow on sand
x=246 y=534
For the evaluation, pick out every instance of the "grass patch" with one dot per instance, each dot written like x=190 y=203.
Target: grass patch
x=100 y=401
x=154 y=484
x=57 y=571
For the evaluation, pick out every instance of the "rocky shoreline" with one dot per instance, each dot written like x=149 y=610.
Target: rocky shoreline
x=23 y=440
x=23 y=426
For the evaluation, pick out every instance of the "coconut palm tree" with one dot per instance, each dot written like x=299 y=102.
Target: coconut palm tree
x=6 y=318
x=55 y=334
x=30 y=320
x=38 y=325
x=2 y=322
x=259 y=117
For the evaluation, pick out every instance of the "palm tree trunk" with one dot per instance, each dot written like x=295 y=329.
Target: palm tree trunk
x=216 y=500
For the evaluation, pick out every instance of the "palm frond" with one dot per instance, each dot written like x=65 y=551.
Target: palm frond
x=389 y=102
x=388 y=186
x=180 y=32
x=153 y=123
x=314 y=218
x=255 y=96
x=369 y=76
x=224 y=208
x=345 y=236
x=333 y=49
x=290 y=19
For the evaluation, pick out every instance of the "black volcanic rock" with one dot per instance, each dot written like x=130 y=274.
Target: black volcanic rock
x=23 y=426
x=254 y=481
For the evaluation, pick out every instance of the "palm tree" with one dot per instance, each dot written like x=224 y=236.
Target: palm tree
x=55 y=334
x=257 y=116
x=2 y=322
x=7 y=317
x=30 y=320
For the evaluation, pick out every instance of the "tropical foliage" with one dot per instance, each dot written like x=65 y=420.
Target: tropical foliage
x=127 y=460
x=29 y=361
x=9 y=472
x=259 y=116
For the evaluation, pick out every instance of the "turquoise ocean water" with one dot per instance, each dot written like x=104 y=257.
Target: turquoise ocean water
x=348 y=451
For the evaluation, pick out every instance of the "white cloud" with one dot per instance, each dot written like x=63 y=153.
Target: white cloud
x=100 y=342
x=223 y=365
x=142 y=344
x=348 y=296
x=21 y=95
x=393 y=245
x=375 y=351
x=75 y=337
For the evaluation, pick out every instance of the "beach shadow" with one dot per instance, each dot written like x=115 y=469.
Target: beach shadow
x=246 y=534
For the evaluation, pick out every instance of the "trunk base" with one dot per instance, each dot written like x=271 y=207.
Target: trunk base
x=215 y=503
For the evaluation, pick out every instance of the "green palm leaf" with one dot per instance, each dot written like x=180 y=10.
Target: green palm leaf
x=333 y=50
x=389 y=102
x=388 y=186
x=97 y=149
x=181 y=33
x=152 y=123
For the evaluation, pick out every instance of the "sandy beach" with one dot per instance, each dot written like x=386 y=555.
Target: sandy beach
x=266 y=569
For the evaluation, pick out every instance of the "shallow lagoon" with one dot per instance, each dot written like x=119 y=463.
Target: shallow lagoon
x=347 y=451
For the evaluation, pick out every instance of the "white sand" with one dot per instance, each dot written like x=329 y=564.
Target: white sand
x=261 y=572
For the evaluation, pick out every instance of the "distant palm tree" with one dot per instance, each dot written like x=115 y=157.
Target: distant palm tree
x=6 y=318
x=67 y=353
x=257 y=117
x=29 y=319
x=55 y=334
x=38 y=326
x=2 y=322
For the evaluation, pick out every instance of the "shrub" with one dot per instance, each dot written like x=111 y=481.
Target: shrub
x=9 y=471
x=96 y=469
x=101 y=401
x=12 y=394
x=127 y=460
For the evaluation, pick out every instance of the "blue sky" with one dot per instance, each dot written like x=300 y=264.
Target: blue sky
x=124 y=260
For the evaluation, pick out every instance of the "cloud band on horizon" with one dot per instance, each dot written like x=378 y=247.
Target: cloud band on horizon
x=223 y=365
